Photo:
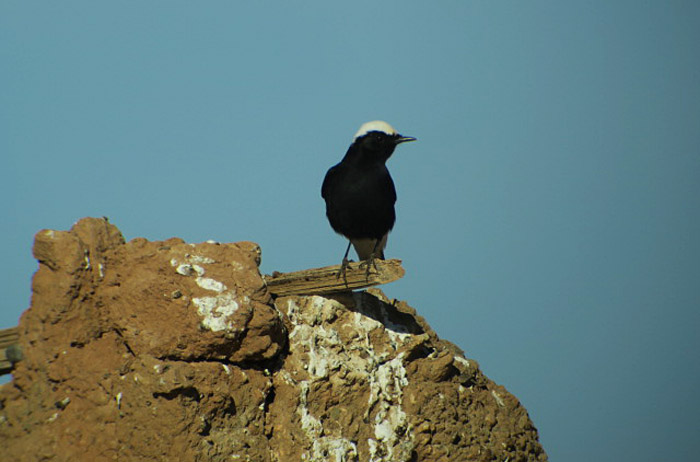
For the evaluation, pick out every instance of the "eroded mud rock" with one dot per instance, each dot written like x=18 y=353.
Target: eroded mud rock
x=146 y=351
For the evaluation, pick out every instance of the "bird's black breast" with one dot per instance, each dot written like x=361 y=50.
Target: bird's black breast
x=360 y=201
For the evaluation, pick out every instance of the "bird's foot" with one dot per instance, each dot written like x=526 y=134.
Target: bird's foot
x=343 y=270
x=369 y=264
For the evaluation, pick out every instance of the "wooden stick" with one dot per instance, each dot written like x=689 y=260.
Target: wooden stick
x=8 y=337
x=326 y=281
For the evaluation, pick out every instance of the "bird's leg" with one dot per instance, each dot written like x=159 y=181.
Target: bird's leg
x=344 y=265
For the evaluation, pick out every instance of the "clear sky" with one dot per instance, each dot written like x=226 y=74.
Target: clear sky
x=548 y=216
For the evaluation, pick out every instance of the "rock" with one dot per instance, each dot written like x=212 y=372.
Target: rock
x=174 y=351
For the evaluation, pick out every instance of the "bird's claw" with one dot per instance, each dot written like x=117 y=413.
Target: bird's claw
x=343 y=270
x=369 y=263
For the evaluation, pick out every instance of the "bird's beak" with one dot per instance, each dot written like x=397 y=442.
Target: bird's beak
x=404 y=139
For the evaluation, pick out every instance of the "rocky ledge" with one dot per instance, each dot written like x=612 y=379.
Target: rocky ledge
x=145 y=351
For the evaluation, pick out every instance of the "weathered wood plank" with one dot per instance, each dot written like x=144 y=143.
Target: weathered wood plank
x=8 y=337
x=318 y=281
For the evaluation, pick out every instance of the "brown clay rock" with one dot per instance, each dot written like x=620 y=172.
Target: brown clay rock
x=146 y=351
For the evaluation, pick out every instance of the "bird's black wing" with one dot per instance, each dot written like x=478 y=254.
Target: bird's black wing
x=328 y=181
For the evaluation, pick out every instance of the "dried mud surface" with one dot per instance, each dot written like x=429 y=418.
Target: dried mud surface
x=146 y=351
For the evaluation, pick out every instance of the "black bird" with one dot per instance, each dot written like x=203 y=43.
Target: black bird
x=360 y=193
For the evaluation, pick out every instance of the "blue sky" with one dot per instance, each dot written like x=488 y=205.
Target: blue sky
x=548 y=217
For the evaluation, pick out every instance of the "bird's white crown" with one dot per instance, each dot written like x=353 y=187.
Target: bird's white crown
x=374 y=126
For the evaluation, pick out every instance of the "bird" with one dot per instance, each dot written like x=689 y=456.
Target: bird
x=360 y=194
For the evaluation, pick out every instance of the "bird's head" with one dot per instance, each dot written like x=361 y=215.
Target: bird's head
x=379 y=137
